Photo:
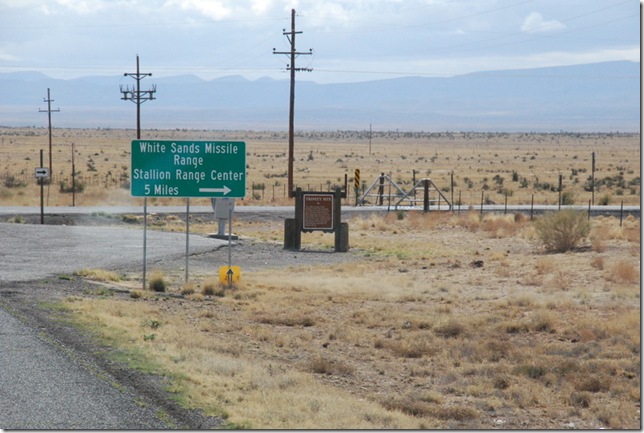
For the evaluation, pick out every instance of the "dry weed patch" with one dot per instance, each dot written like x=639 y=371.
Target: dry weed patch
x=422 y=339
x=99 y=275
x=624 y=272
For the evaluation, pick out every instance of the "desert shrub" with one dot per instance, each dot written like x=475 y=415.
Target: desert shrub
x=561 y=231
x=580 y=399
x=593 y=384
x=407 y=347
x=451 y=329
x=567 y=198
x=530 y=370
x=330 y=366
x=18 y=219
x=13 y=182
x=188 y=289
x=624 y=272
x=604 y=200
x=130 y=219
x=415 y=406
x=458 y=413
x=411 y=406
x=543 y=321
x=212 y=288
x=157 y=282
x=67 y=188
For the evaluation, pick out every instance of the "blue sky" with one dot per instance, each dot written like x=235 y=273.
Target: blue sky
x=352 y=40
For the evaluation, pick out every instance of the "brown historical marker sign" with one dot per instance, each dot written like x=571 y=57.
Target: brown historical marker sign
x=318 y=211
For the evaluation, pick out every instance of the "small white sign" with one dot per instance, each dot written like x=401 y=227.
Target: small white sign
x=223 y=207
x=42 y=172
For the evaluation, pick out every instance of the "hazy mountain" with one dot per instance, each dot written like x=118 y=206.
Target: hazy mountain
x=592 y=97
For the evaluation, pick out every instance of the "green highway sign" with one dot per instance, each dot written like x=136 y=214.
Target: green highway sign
x=168 y=168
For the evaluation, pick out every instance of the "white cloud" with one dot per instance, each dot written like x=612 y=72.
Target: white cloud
x=82 y=6
x=214 y=9
x=261 y=6
x=534 y=23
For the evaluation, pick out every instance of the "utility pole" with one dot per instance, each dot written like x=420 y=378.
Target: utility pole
x=290 y=35
x=136 y=95
x=49 y=111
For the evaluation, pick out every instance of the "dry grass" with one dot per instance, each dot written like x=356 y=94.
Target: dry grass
x=409 y=336
x=99 y=275
x=520 y=165
x=624 y=272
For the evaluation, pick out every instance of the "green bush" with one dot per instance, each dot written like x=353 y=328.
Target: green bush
x=561 y=231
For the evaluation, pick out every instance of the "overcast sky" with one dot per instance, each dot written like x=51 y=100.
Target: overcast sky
x=352 y=40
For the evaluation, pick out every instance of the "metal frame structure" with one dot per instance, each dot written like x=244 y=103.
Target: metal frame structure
x=427 y=186
x=380 y=182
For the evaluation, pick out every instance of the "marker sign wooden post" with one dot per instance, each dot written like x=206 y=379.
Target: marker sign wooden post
x=317 y=211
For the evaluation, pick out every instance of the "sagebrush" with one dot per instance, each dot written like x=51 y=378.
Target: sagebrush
x=563 y=230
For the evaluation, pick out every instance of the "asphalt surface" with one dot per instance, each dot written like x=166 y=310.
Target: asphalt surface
x=29 y=252
x=43 y=383
x=44 y=388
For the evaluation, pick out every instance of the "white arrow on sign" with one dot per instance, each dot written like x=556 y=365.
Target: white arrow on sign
x=225 y=190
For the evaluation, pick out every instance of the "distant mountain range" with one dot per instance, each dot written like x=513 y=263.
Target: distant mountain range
x=592 y=97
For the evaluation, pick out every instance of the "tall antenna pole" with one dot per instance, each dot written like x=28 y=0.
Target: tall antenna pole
x=49 y=111
x=136 y=95
x=291 y=114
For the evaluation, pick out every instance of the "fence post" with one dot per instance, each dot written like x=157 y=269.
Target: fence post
x=425 y=195
x=482 y=201
x=560 y=187
x=621 y=213
x=531 y=207
x=452 y=188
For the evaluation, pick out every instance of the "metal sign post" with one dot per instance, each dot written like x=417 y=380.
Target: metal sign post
x=230 y=272
x=42 y=173
x=187 y=234
x=168 y=168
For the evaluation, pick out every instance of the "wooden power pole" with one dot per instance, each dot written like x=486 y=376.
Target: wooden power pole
x=49 y=111
x=293 y=53
x=138 y=96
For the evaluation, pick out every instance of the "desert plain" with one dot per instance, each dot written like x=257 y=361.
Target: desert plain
x=433 y=320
